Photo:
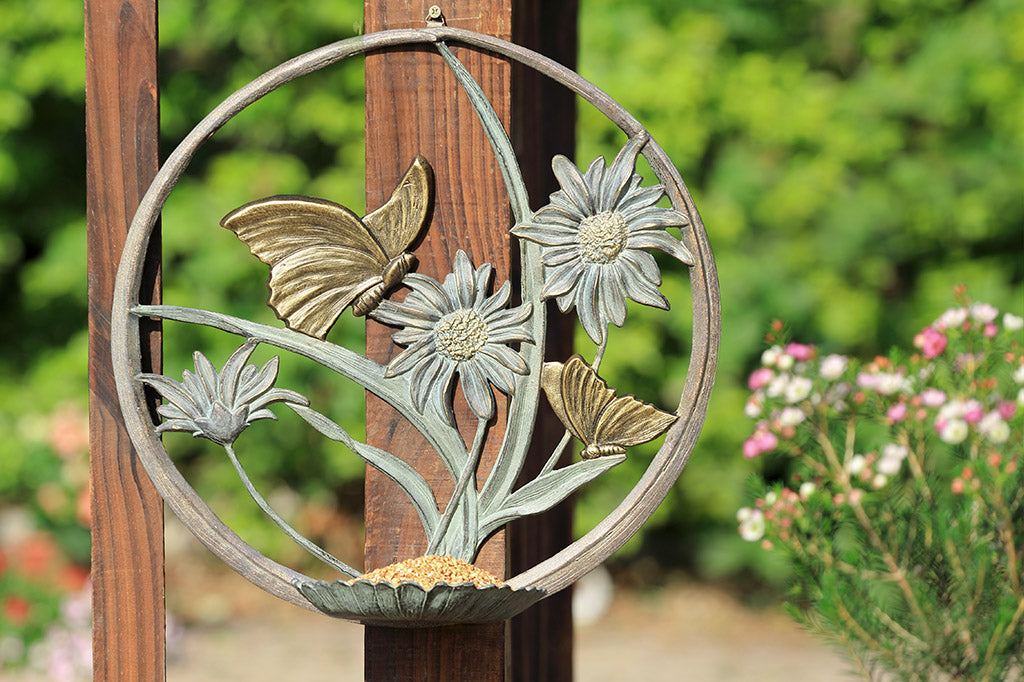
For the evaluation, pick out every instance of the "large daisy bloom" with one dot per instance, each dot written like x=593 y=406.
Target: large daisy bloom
x=455 y=327
x=594 y=233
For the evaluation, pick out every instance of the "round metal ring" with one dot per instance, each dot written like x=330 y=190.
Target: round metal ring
x=553 y=574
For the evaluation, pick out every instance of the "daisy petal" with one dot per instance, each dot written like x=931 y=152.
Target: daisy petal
x=640 y=199
x=560 y=279
x=587 y=306
x=618 y=177
x=643 y=263
x=613 y=302
x=558 y=255
x=641 y=290
x=660 y=240
x=548 y=235
x=573 y=184
x=476 y=389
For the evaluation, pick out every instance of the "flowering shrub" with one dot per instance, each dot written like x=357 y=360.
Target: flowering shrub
x=901 y=503
x=44 y=541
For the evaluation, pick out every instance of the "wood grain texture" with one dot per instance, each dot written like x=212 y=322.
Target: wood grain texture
x=122 y=126
x=414 y=105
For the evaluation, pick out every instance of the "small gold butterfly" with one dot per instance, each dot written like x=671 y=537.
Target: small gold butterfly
x=592 y=412
x=323 y=258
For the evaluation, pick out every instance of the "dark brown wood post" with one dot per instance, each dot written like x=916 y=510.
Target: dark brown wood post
x=414 y=105
x=122 y=128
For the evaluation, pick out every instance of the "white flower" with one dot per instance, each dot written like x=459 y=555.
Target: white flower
x=890 y=466
x=797 y=389
x=1013 y=322
x=777 y=386
x=833 y=366
x=455 y=327
x=752 y=409
x=771 y=356
x=785 y=362
x=994 y=428
x=1018 y=374
x=791 y=416
x=807 y=488
x=895 y=451
x=595 y=233
x=879 y=481
x=984 y=312
x=954 y=431
x=889 y=383
x=752 y=525
x=856 y=464
x=771 y=498
x=954 y=317
x=1020 y=397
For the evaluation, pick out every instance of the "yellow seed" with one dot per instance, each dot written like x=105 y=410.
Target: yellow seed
x=430 y=569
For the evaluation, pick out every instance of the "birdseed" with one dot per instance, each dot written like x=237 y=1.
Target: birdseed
x=430 y=569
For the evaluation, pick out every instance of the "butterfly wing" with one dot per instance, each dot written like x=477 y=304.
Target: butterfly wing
x=396 y=224
x=594 y=414
x=577 y=395
x=627 y=421
x=321 y=256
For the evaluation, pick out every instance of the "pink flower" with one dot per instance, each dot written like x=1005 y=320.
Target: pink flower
x=762 y=441
x=760 y=378
x=931 y=342
x=1007 y=409
x=801 y=352
x=933 y=397
x=991 y=330
x=897 y=413
x=973 y=412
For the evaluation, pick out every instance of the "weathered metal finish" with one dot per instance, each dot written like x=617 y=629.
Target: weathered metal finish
x=594 y=235
x=410 y=605
x=497 y=502
x=323 y=258
x=606 y=422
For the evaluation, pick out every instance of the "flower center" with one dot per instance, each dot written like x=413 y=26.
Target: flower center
x=460 y=334
x=602 y=237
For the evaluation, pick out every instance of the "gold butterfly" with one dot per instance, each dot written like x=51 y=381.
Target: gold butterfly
x=323 y=258
x=595 y=414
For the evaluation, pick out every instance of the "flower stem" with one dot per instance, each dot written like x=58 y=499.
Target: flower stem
x=472 y=459
x=523 y=408
x=556 y=454
x=313 y=549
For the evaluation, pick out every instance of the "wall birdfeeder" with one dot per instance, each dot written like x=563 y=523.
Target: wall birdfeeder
x=588 y=248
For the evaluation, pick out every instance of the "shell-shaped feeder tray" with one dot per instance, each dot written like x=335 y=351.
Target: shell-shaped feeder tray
x=409 y=605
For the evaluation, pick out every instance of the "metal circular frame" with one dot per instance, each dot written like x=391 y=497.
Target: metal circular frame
x=556 y=572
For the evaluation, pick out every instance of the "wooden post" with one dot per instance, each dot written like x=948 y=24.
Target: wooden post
x=122 y=128
x=414 y=105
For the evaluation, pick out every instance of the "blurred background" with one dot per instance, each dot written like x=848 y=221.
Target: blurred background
x=852 y=160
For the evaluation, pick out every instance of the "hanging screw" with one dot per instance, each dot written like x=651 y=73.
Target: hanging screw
x=435 y=17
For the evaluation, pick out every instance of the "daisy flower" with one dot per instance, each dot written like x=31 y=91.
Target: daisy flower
x=594 y=234
x=455 y=327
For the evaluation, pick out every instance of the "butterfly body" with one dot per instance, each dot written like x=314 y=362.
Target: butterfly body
x=606 y=422
x=323 y=258
x=396 y=269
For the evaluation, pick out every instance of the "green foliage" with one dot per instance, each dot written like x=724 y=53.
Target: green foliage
x=851 y=160
x=901 y=498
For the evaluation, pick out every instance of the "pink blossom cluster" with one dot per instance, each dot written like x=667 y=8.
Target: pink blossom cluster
x=966 y=385
x=781 y=509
